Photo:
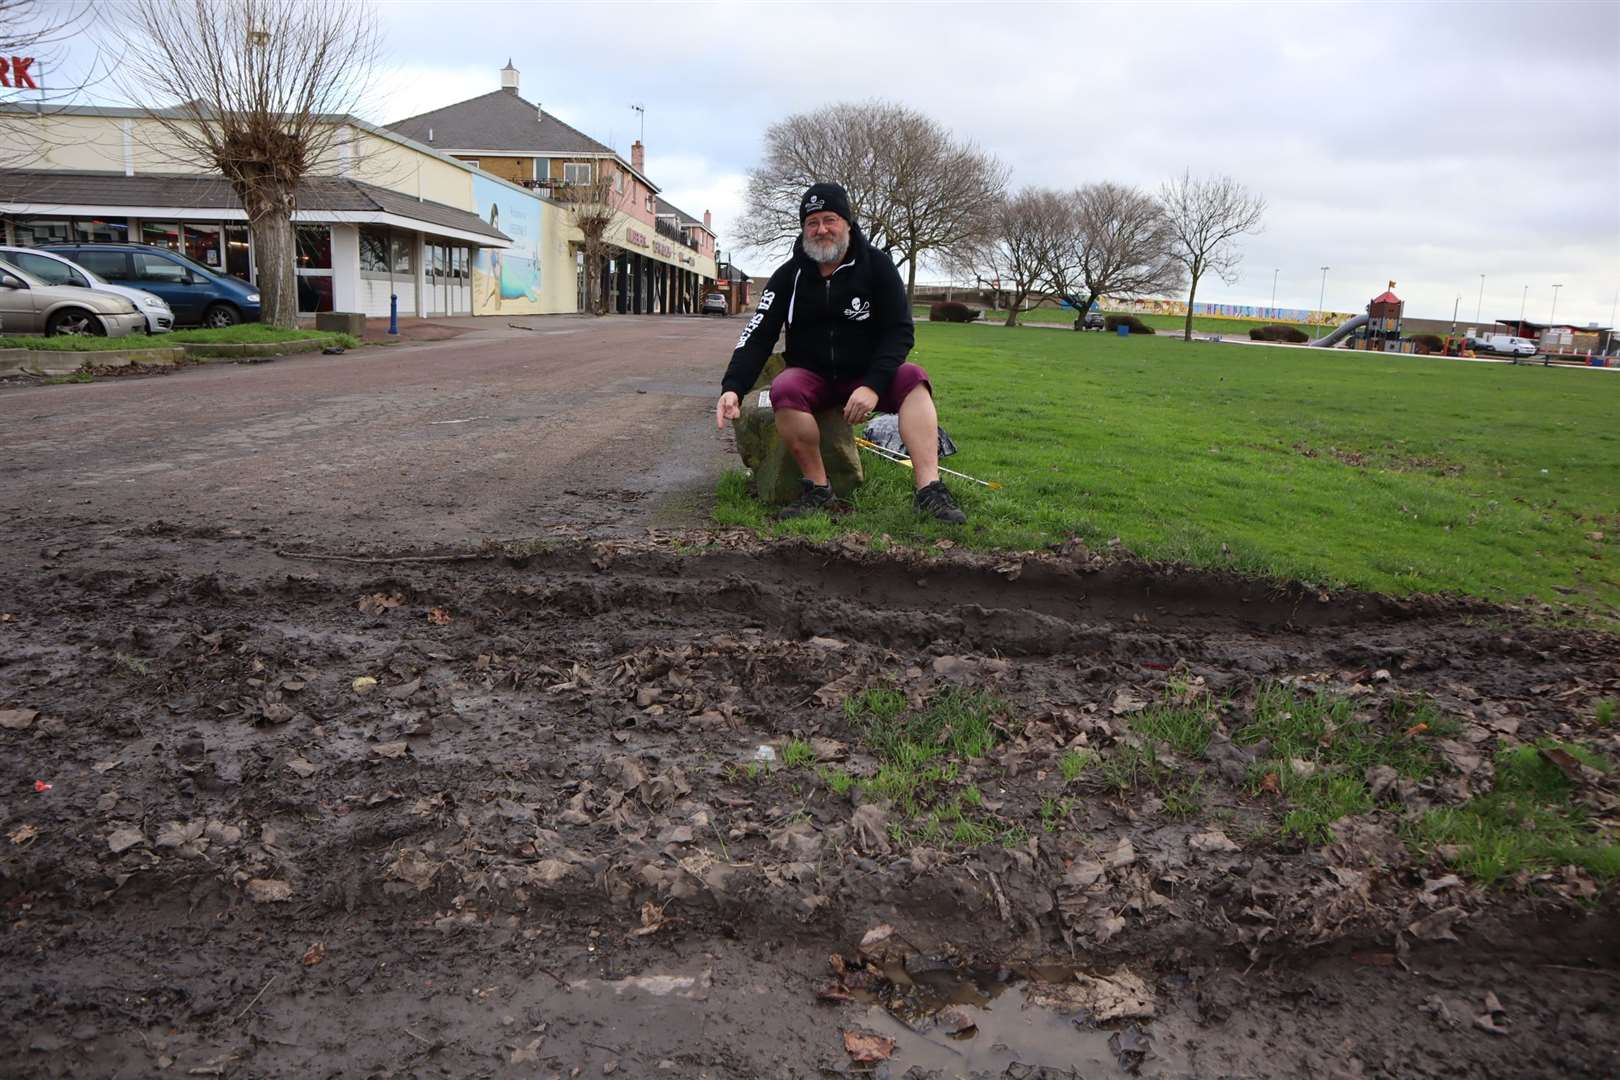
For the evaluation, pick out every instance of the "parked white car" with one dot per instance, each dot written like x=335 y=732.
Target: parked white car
x=30 y=306
x=56 y=269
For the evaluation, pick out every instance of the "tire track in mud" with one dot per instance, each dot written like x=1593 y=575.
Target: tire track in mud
x=557 y=740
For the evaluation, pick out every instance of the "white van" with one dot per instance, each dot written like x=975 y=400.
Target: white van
x=1504 y=345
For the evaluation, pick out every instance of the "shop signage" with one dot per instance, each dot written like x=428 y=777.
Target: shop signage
x=686 y=260
x=636 y=237
x=663 y=250
x=14 y=73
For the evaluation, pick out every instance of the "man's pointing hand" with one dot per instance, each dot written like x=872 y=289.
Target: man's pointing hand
x=726 y=409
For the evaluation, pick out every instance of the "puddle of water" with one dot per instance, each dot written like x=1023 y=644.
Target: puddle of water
x=981 y=1021
x=1013 y=1030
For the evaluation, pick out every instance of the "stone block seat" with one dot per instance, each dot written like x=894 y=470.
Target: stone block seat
x=776 y=474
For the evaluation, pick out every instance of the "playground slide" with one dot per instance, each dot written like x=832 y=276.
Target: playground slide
x=1345 y=329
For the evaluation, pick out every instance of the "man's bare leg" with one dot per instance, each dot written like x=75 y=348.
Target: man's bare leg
x=802 y=436
x=919 y=428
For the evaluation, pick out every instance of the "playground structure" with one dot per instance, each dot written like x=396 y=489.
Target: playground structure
x=1379 y=330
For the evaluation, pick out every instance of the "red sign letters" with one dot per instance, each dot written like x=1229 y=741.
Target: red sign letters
x=14 y=73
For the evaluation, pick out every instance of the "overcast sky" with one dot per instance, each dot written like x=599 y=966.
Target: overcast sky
x=1422 y=143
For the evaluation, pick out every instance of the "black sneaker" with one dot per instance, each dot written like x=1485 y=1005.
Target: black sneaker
x=935 y=501
x=812 y=498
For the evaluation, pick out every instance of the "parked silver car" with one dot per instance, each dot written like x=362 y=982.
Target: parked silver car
x=54 y=269
x=30 y=306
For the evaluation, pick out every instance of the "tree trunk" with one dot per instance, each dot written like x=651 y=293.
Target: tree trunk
x=911 y=279
x=1012 y=308
x=275 y=257
x=1080 y=318
x=1192 y=291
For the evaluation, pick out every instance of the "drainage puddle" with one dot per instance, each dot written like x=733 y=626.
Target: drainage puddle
x=961 y=1019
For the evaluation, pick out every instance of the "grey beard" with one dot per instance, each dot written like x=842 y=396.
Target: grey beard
x=826 y=251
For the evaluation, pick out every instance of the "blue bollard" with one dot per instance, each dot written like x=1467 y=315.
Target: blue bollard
x=393 y=313
x=1124 y=331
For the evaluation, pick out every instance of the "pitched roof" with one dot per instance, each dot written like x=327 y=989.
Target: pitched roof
x=666 y=207
x=53 y=187
x=498 y=120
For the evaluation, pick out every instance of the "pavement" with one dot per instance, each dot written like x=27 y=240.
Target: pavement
x=507 y=429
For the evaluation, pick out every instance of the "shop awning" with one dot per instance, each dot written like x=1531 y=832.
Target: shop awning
x=189 y=197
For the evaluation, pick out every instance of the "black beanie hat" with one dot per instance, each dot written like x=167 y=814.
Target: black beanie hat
x=821 y=197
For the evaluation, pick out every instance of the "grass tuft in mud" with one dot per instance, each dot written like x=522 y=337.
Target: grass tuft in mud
x=1185 y=725
x=920 y=753
x=1318 y=751
x=1529 y=822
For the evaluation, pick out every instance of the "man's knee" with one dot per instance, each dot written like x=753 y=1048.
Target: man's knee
x=907 y=379
x=794 y=389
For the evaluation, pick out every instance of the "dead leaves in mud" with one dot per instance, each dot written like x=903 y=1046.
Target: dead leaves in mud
x=268 y=891
x=377 y=603
x=867 y=1047
x=1123 y=995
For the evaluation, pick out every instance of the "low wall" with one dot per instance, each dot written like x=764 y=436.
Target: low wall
x=47 y=362
x=210 y=351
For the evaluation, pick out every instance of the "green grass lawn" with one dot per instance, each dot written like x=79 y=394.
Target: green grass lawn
x=1399 y=474
x=83 y=342
x=241 y=334
x=1164 y=324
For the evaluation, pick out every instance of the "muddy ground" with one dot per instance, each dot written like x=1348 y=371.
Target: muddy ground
x=542 y=843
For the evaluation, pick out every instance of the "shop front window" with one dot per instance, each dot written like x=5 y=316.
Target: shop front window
x=314 y=247
x=34 y=232
x=101 y=230
x=314 y=244
x=238 y=263
x=205 y=244
x=161 y=233
x=314 y=293
x=404 y=248
x=373 y=250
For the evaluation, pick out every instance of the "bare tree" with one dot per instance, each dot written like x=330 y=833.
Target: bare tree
x=916 y=191
x=1113 y=241
x=1024 y=229
x=841 y=143
x=1206 y=216
x=940 y=192
x=260 y=89
x=592 y=207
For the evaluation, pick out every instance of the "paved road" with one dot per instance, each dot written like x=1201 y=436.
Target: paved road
x=502 y=432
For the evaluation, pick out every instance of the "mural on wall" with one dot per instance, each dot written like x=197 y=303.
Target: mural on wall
x=507 y=280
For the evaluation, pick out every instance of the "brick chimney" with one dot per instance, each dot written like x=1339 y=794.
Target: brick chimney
x=638 y=157
x=509 y=77
x=708 y=221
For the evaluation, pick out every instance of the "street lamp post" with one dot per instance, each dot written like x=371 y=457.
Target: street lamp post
x=1552 y=315
x=1480 y=303
x=1274 y=274
x=1322 y=296
x=1454 y=313
x=1522 y=298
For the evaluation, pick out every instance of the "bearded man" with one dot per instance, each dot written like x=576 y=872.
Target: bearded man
x=848 y=332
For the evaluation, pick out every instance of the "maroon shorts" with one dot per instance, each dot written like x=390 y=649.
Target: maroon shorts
x=806 y=391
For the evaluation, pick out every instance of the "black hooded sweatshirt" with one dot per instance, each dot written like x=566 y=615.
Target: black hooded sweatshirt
x=854 y=324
